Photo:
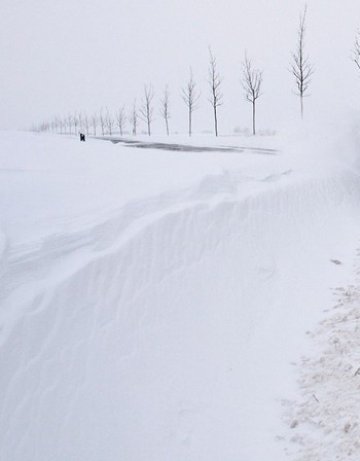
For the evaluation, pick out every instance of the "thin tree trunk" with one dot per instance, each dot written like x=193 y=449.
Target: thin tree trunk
x=167 y=126
x=254 y=131
x=215 y=119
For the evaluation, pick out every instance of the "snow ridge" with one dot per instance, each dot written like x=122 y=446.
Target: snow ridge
x=136 y=338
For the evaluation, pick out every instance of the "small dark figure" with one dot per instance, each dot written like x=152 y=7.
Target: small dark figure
x=82 y=137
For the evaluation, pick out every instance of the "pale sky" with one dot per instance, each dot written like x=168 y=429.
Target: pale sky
x=61 y=56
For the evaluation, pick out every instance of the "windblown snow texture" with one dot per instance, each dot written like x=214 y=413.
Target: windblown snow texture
x=162 y=325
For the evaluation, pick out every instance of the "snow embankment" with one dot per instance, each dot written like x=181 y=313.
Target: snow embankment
x=324 y=418
x=167 y=330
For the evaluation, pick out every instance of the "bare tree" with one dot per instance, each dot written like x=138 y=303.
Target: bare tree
x=251 y=82
x=109 y=121
x=134 y=118
x=94 y=123
x=120 y=119
x=102 y=122
x=44 y=126
x=301 y=67
x=65 y=123
x=81 y=122
x=86 y=124
x=191 y=98
x=216 y=96
x=147 y=109
x=70 y=122
x=60 y=125
x=76 y=123
x=164 y=110
x=356 y=50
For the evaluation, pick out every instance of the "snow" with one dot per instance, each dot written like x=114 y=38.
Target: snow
x=328 y=407
x=154 y=304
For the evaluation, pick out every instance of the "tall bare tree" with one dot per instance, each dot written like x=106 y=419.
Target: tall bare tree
x=81 y=122
x=191 y=98
x=356 y=50
x=70 y=123
x=102 y=122
x=301 y=67
x=61 y=125
x=120 y=119
x=164 y=110
x=216 y=96
x=146 y=109
x=134 y=116
x=76 y=122
x=86 y=124
x=251 y=82
x=58 y=125
x=65 y=123
x=109 y=121
x=94 y=123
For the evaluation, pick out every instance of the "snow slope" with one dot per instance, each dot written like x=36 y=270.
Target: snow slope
x=153 y=303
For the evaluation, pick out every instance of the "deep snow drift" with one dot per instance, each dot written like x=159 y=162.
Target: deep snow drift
x=154 y=303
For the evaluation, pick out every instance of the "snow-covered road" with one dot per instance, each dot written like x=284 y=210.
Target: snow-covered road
x=153 y=303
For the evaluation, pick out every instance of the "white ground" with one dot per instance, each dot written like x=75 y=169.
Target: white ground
x=153 y=304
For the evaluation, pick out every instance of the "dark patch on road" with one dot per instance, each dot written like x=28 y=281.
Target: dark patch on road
x=186 y=147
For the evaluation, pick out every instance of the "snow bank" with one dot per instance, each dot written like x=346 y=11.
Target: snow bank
x=166 y=328
x=325 y=417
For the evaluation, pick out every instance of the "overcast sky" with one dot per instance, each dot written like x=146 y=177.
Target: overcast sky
x=60 y=56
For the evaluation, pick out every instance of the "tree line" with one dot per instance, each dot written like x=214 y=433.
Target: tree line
x=107 y=123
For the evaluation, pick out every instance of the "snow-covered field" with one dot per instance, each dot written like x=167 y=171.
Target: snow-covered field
x=164 y=305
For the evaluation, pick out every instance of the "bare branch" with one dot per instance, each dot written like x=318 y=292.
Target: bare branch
x=356 y=50
x=102 y=121
x=164 y=110
x=251 y=81
x=86 y=124
x=94 y=123
x=301 y=67
x=120 y=119
x=215 y=80
x=191 y=97
x=109 y=121
x=147 y=109
x=134 y=116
